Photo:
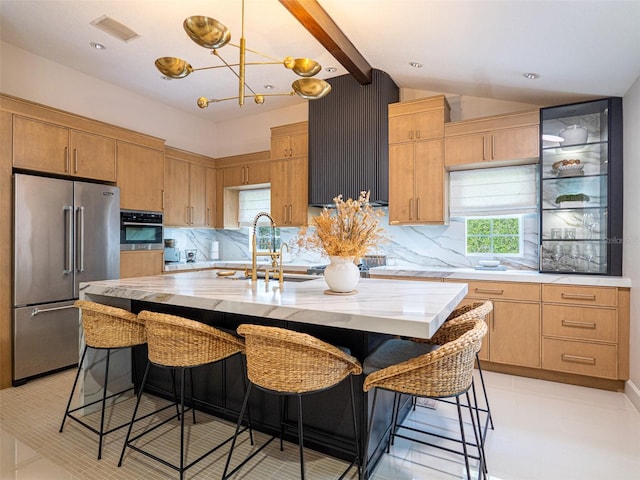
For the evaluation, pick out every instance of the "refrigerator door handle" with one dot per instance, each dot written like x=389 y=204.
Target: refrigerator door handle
x=68 y=212
x=37 y=310
x=80 y=239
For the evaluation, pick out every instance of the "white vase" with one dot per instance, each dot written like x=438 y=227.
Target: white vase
x=342 y=275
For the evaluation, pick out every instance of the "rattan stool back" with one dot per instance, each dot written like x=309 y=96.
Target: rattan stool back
x=179 y=342
x=445 y=372
x=110 y=327
x=286 y=361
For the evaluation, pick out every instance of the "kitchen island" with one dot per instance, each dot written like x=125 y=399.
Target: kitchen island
x=360 y=322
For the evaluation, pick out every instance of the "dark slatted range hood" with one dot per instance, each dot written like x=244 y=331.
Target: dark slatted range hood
x=348 y=140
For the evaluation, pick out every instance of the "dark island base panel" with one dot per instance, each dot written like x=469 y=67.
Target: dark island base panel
x=218 y=389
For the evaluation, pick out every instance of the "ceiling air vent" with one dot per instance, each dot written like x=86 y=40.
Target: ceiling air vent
x=114 y=28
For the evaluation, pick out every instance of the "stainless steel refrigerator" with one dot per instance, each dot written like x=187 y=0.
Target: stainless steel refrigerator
x=65 y=232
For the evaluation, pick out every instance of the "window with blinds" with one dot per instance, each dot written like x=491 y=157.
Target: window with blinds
x=492 y=202
x=250 y=203
x=493 y=191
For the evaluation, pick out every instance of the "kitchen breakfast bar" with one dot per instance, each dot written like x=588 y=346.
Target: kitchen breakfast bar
x=378 y=310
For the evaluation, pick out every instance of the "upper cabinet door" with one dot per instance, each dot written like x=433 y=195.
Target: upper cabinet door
x=40 y=146
x=45 y=147
x=92 y=156
x=429 y=174
x=464 y=149
x=515 y=143
x=140 y=177
x=176 y=194
x=197 y=194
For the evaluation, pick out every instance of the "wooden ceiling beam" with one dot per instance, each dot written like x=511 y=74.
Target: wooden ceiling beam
x=319 y=24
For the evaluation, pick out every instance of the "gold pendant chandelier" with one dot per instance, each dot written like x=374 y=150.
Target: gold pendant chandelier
x=211 y=34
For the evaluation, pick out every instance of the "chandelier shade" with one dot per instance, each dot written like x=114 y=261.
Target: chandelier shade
x=213 y=35
x=173 y=67
x=311 y=88
x=207 y=32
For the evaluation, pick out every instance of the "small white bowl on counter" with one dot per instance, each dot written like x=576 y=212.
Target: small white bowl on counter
x=489 y=263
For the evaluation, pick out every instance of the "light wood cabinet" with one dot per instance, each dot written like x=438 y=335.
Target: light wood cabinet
x=141 y=263
x=46 y=147
x=140 y=177
x=289 y=191
x=513 y=336
x=185 y=196
x=416 y=183
x=585 y=331
x=417 y=193
x=290 y=140
x=235 y=173
x=289 y=174
x=556 y=330
x=246 y=174
x=210 y=197
x=509 y=139
x=415 y=126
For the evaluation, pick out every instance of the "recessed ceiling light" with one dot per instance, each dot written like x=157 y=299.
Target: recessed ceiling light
x=268 y=86
x=331 y=69
x=97 y=46
x=530 y=75
x=415 y=64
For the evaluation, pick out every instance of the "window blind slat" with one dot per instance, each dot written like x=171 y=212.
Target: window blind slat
x=493 y=191
x=251 y=202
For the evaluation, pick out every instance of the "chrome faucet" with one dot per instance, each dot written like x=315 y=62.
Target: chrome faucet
x=273 y=254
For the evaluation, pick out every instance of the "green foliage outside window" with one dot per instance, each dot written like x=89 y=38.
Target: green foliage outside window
x=494 y=235
x=268 y=238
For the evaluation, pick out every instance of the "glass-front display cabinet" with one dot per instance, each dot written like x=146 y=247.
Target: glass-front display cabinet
x=581 y=188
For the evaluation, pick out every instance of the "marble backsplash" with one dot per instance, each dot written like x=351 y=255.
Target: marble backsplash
x=426 y=246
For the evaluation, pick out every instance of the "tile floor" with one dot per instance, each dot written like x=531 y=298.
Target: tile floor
x=544 y=431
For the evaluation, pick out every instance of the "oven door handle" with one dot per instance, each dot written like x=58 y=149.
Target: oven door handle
x=142 y=224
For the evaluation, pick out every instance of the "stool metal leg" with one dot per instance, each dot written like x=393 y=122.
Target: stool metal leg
x=355 y=429
x=104 y=401
x=182 y=370
x=301 y=436
x=235 y=436
x=484 y=390
x=477 y=432
x=73 y=389
x=464 y=441
x=135 y=411
x=365 y=454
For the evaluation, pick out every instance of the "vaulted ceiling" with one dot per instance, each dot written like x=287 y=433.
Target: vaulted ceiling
x=579 y=49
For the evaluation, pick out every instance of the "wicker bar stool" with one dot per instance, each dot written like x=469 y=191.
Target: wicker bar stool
x=180 y=344
x=451 y=329
x=105 y=328
x=445 y=372
x=284 y=362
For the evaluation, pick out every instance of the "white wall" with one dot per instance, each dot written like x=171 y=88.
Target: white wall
x=34 y=78
x=253 y=134
x=631 y=234
x=464 y=107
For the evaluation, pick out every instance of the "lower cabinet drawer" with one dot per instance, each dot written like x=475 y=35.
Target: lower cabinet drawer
x=592 y=359
x=579 y=322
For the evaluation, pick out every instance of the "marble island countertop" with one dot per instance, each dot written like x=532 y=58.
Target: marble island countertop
x=416 y=271
x=397 y=307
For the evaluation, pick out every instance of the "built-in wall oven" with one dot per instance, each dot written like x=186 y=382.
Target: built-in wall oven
x=140 y=230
